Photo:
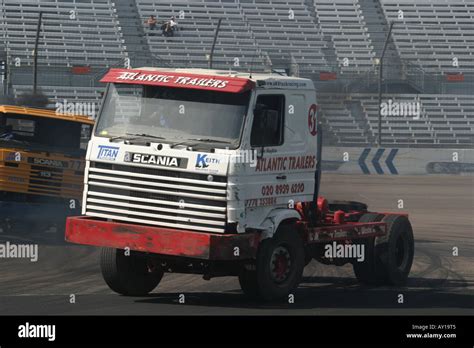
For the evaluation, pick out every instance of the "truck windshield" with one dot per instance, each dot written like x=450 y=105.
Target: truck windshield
x=43 y=134
x=173 y=115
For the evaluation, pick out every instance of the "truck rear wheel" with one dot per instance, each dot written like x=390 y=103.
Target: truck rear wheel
x=388 y=259
x=280 y=263
x=365 y=271
x=133 y=275
x=397 y=250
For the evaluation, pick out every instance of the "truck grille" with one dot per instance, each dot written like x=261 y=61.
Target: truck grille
x=156 y=197
x=54 y=182
x=45 y=180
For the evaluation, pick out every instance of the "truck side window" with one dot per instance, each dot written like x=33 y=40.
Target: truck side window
x=268 y=121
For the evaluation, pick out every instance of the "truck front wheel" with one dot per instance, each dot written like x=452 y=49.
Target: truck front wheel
x=280 y=263
x=248 y=283
x=129 y=275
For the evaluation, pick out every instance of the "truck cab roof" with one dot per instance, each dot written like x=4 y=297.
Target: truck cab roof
x=260 y=80
x=36 y=112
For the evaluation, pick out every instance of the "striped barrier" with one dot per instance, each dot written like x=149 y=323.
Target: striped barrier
x=397 y=161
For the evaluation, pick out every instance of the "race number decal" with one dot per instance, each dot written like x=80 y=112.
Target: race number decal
x=312 y=122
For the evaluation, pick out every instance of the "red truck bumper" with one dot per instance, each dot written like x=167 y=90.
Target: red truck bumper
x=158 y=240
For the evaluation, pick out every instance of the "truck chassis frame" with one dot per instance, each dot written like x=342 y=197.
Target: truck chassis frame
x=210 y=246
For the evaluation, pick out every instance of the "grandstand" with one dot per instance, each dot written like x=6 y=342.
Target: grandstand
x=64 y=94
x=288 y=33
x=443 y=121
x=344 y=23
x=429 y=59
x=73 y=33
x=434 y=34
x=197 y=20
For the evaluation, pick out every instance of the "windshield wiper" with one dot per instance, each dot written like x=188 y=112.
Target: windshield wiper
x=186 y=142
x=192 y=142
x=209 y=140
x=134 y=136
x=120 y=137
x=143 y=135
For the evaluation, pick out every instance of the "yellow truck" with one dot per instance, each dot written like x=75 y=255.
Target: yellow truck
x=41 y=167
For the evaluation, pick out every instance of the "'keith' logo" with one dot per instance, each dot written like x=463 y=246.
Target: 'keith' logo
x=203 y=161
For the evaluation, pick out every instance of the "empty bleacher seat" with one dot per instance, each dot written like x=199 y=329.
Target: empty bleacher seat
x=438 y=35
x=72 y=33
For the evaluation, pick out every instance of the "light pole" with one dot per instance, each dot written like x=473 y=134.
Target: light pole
x=379 y=140
x=211 y=56
x=35 y=53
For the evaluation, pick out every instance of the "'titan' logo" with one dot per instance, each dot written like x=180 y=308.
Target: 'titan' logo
x=107 y=152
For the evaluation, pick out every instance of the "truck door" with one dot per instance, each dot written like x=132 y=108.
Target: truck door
x=284 y=173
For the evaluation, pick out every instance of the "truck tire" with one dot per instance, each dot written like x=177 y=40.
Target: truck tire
x=397 y=250
x=365 y=271
x=248 y=283
x=129 y=275
x=280 y=264
x=388 y=258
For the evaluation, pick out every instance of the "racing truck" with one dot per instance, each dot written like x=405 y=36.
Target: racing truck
x=41 y=167
x=218 y=173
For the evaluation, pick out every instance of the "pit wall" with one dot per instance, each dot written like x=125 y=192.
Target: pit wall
x=397 y=161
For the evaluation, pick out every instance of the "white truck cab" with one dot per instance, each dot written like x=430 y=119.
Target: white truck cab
x=230 y=151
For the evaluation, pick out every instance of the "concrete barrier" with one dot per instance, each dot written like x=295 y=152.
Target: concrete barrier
x=397 y=161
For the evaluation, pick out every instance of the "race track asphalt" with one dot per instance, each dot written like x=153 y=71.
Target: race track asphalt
x=441 y=210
